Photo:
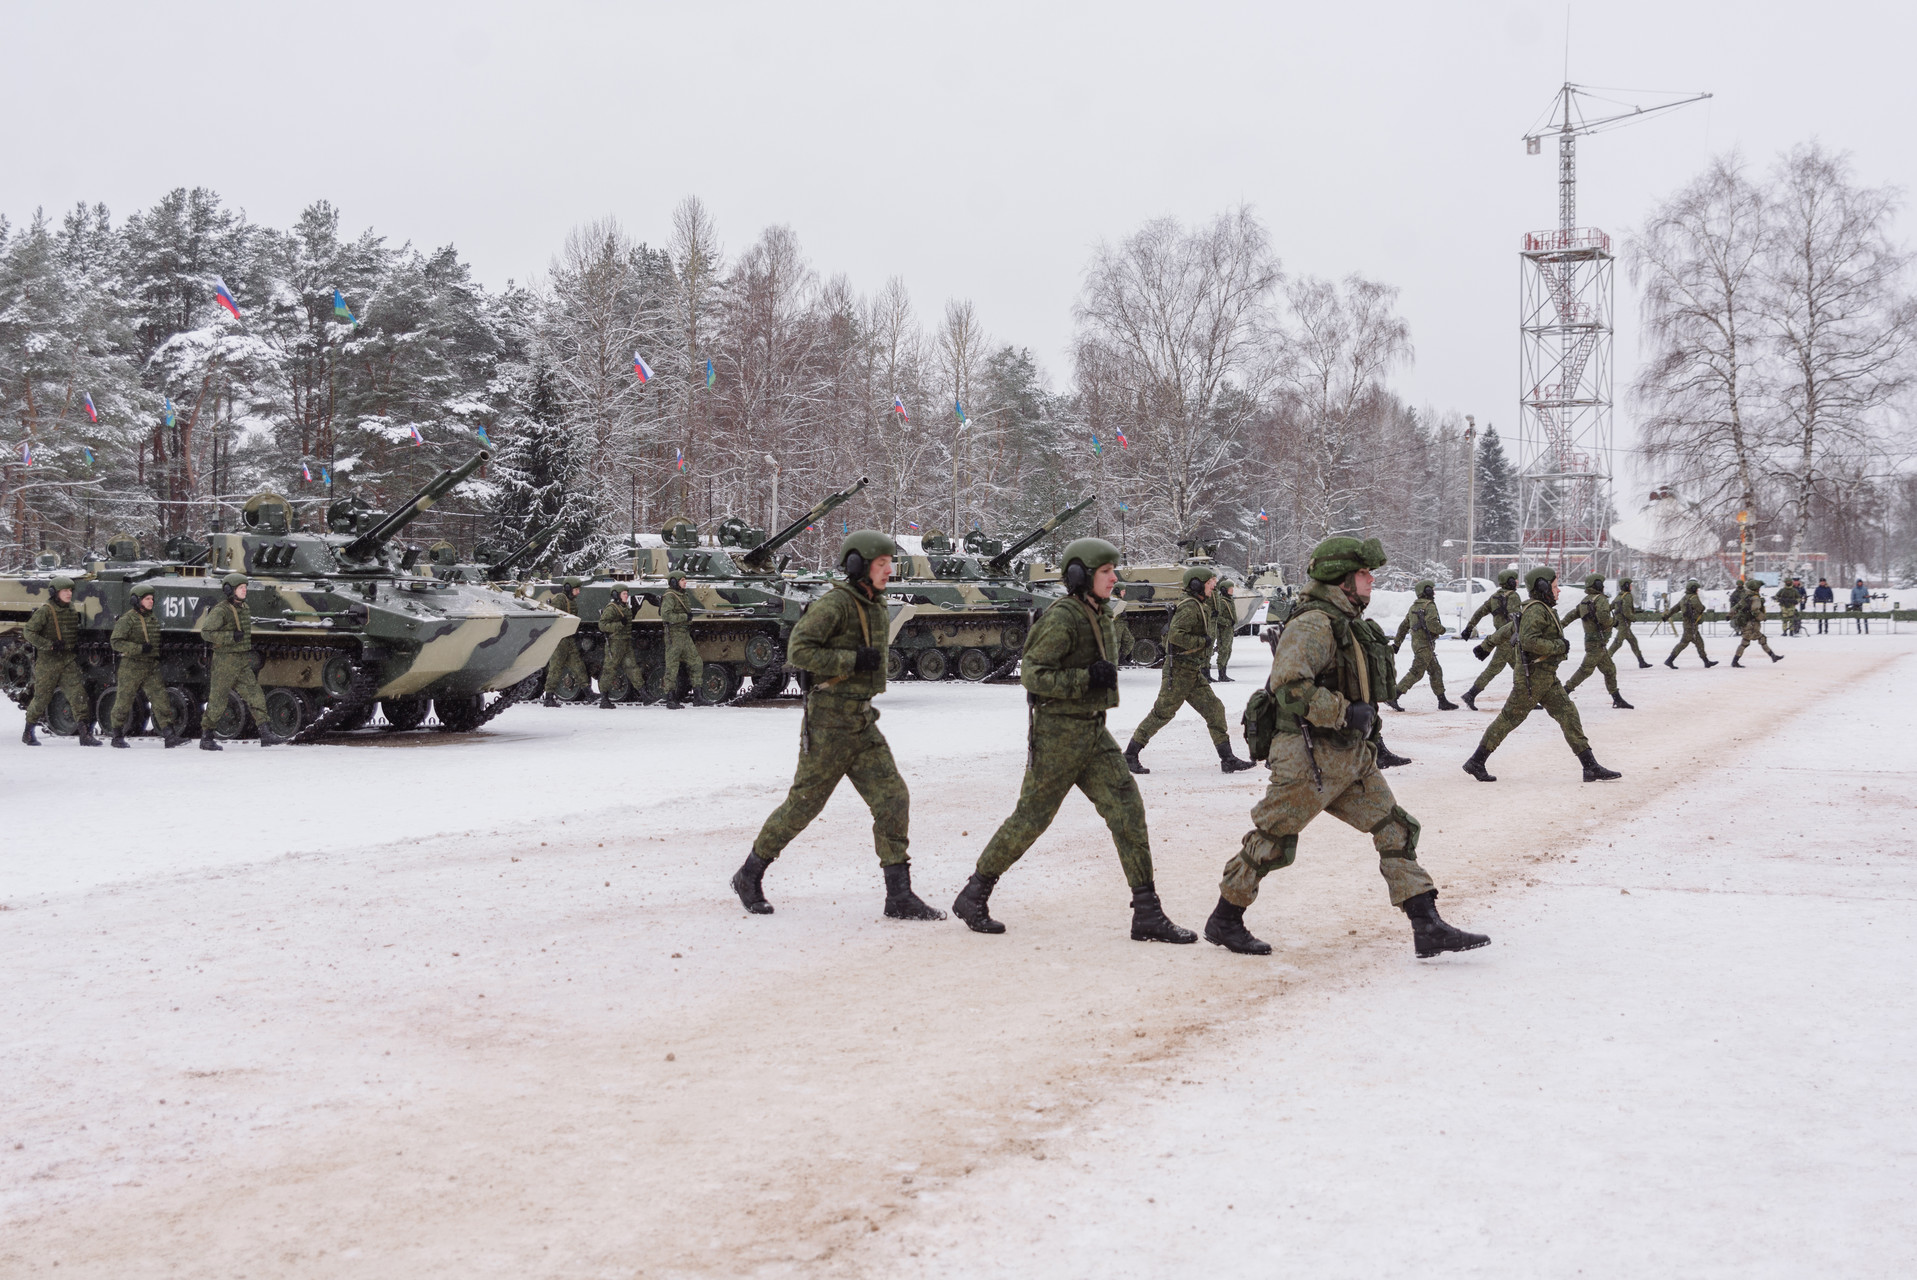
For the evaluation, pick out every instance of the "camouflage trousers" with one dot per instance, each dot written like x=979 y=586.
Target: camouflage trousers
x=1540 y=688
x=682 y=654
x=567 y=662
x=138 y=676
x=1067 y=752
x=1354 y=792
x=1787 y=618
x=56 y=673
x=619 y=669
x=1626 y=636
x=840 y=738
x=1222 y=654
x=1691 y=636
x=1501 y=657
x=1183 y=683
x=1596 y=658
x=1424 y=658
x=1753 y=635
x=233 y=678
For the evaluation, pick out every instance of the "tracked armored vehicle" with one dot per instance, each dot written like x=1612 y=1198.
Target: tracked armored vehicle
x=341 y=625
x=490 y=565
x=964 y=612
x=744 y=605
x=1147 y=594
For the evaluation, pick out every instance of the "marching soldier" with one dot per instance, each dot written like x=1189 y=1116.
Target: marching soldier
x=229 y=630
x=1501 y=605
x=1691 y=606
x=1748 y=618
x=1595 y=612
x=1788 y=598
x=136 y=638
x=1623 y=614
x=54 y=632
x=1538 y=638
x=681 y=652
x=1070 y=676
x=1425 y=626
x=1225 y=627
x=1183 y=681
x=840 y=642
x=565 y=658
x=615 y=623
x=1326 y=678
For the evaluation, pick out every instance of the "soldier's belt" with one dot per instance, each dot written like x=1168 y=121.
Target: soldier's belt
x=1341 y=738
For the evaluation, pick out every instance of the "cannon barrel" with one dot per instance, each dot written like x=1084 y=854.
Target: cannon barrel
x=536 y=543
x=1003 y=560
x=761 y=556
x=388 y=528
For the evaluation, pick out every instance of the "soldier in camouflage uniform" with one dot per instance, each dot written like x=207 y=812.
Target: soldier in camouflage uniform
x=1071 y=681
x=1183 y=679
x=1327 y=674
x=1502 y=605
x=1691 y=606
x=54 y=632
x=681 y=654
x=229 y=630
x=1425 y=626
x=615 y=623
x=565 y=660
x=1538 y=638
x=1623 y=614
x=136 y=638
x=840 y=643
x=1594 y=611
x=1748 y=618
x=1225 y=626
x=1788 y=598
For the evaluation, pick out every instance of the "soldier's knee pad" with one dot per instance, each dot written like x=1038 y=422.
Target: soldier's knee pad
x=1400 y=819
x=1268 y=852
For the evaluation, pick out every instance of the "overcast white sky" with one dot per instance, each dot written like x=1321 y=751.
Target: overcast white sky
x=976 y=150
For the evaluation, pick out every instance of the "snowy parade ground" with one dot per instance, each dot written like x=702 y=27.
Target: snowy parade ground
x=484 y=1006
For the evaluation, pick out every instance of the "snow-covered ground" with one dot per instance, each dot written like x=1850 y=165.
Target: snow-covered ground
x=483 y=1006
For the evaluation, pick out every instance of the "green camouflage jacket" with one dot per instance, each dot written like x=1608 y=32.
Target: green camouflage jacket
x=615 y=620
x=1191 y=638
x=1691 y=606
x=229 y=627
x=1594 y=611
x=1623 y=609
x=137 y=634
x=1501 y=605
x=1423 y=621
x=674 y=609
x=827 y=637
x=1056 y=666
x=1540 y=635
x=53 y=626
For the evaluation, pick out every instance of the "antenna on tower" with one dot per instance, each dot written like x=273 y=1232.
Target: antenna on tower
x=1565 y=332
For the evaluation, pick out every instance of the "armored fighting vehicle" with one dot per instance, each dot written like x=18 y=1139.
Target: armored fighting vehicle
x=341 y=624
x=744 y=604
x=1147 y=594
x=490 y=565
x=964 y=612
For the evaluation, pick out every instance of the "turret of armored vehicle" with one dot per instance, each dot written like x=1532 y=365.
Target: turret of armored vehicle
x=341 y=624
x=964 y=612
x=744 y=604
x=490 y=564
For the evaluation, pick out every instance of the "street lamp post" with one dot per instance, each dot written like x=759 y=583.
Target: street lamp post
x=1470 y=506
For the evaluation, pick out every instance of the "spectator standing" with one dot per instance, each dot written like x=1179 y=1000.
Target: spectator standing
x=1859 y=601
x=1823 y=598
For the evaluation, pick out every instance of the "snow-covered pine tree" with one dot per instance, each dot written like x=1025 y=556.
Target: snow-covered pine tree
x=1497 y=509
x=539 y=475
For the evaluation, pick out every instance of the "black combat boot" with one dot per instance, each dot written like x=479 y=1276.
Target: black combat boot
x=1389 y=759
x=900 y=902
x=1445 y=704
x=269 y=738
x=550 y=700
x=1710 y=662
x=1617 y=700
x=26 y=735
x=172 y=736
x=974 y=902
x=1777 y=657
x=606 y=703
x=206 y=739
x=1469 y=698
x=1736 y=661
x=1223 y=678
x=1593 y=771
x=1475 y=765
x=1228 y=762
x=746 y=883
x=1392 y=702
x=1131 y=757
x=1641 y=664
x=1430 y=934
x=1149 y=921
x=1671 y=662
x=1226 y=929
x=119 y=739
x=86 y=736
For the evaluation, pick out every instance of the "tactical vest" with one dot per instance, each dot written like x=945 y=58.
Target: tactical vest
x=1364 y=670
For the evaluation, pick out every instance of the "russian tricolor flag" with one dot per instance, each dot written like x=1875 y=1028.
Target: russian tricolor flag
x=1262 y=516
x=417 y=438
x=92 y=412
x=898 y=407
x=641 y=368
x=26 y=453
x=224 y=296
x=1123 y=443
x=913 y=525
x=679 y=456
x=306 y=473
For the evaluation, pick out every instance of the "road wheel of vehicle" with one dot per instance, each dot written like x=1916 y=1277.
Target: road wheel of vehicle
x=1013 y=637
x=895 y=664
x=336 y=677
x=458 y=712
x=186 y=711
x=652 y=686
x=932 y=665
x=16 y=669
x=719 y=684
x=408 y=712
x=571 y=689
x=231 y=722
x=60 y=717
x=1146 y=653
x=974 y=664
x=286 y=711
x=770 y=684
x=135 y=723
x=761 y=651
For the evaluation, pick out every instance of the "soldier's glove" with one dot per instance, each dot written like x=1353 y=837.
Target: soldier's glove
x=146 y=649
x=1359 y=716
x=867 y=658
x=63 y=646
x=1470 y=635
x=1396 y=645
x=1103 y=676
x=1480 y=652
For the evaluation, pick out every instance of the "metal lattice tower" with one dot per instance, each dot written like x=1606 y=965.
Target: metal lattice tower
x=1566 y=295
